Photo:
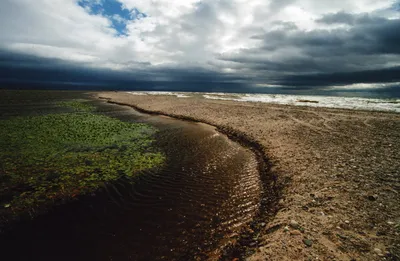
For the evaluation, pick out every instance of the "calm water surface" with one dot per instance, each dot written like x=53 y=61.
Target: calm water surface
x=208 y=188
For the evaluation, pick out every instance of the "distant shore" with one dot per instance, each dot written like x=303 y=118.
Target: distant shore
x=340 y=172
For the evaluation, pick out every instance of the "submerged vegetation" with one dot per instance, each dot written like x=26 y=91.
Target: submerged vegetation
x=77 y=105
x=55 y=157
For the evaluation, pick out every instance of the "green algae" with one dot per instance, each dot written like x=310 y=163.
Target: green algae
x=78 y=105
x=53 y=158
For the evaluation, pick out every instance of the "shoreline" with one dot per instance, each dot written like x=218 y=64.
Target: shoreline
x=370 y=104
x=334 y=206
x=271 y=189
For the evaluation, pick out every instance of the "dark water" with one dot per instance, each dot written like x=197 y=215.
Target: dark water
x=208 y=188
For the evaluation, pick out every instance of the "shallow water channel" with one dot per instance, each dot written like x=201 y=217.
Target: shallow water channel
x=208 y=188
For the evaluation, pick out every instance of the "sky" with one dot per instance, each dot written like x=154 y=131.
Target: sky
x=266 y=46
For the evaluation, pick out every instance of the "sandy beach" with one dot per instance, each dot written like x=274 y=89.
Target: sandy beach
x=339 y=171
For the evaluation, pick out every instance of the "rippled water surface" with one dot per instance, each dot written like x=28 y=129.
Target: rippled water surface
x=208 y=188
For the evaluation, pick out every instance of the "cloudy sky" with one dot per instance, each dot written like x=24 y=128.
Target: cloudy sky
x=220 y=45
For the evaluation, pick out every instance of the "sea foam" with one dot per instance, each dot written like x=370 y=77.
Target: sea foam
x=354 y=103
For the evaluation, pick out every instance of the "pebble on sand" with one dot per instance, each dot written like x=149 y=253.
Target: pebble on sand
x=307 y=242
x=294 y=224
x=378 y=252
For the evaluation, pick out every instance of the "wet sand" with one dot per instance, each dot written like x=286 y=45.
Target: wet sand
x=339 y=169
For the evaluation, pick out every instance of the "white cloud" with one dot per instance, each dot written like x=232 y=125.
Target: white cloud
x=118 y=18
x=57 y=24
x=161 y=8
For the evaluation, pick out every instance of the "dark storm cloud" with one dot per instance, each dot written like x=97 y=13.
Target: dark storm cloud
x=19 y=69
x=387 y=75
x=378 y=37
x=337 y=18
x=350 y=19
x=343 y=55
x=28 y=71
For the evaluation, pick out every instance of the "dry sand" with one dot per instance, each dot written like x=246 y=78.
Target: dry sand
x=340 y=171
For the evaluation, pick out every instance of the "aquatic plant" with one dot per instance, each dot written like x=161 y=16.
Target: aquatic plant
x=55 y=157
x=77 y=105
